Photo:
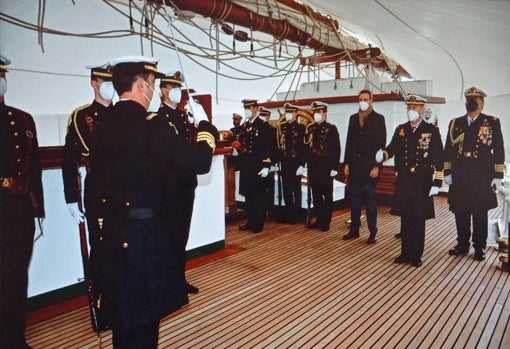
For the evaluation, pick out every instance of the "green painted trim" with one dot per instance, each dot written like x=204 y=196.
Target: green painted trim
x=69 y=292
x=56 y=296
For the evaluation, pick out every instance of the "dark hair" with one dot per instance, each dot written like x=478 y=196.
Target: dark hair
x=365 y=91
x=124 y=82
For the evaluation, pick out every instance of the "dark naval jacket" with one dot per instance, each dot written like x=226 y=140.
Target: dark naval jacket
x=291 y=143
x=80 y=127
x=130 y=158
x=258 y=150
x=323 y=154
x=20 y=168
x=419 y=166
x=362 y=143
x=474 y=156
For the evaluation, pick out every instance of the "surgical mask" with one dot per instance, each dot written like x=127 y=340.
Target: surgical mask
x=288 y=116
x=106 y=90
x=247 y=113
x=471 y=105
x=3 y=87
x=317 y=117
x=155 y=102
x=175 y=95
x=363 y=105
x=412 y=115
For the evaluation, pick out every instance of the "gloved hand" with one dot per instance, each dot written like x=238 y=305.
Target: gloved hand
x=434 y=191
x=496 y=184
x=300 y=171
x=235 y=152
x=190 y=118
x=448 y=179
x=274 y=168
x=76 y=213
x=196 y=110
x=264 y=172
x=333 y=173
x=379 y=156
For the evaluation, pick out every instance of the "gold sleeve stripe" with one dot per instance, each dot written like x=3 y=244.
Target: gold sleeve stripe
x=447 y=165
x=207 y=137
x=267 y=160
x=499 y=167
x=439 y=175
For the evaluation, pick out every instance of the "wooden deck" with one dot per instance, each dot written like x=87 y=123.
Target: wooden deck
x=291 y=287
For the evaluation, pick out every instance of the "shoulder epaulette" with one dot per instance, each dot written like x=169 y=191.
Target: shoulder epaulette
x=75 y=112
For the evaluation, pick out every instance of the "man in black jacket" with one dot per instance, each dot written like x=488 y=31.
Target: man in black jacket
x=135 y=267
x=474 y=167
x=366 y=134
x=22 y=200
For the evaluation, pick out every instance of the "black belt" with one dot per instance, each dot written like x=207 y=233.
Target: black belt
x=140 y=213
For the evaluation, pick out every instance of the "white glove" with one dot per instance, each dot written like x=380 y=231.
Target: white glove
x=196 y=110
x=379 y=156
x=76 y=213
x=190 y=119
x=434 y=191
x=235 y=152
x=300 y=171
x=274 y=168
x=264 y=172
x=333 y=173
x=448 y=179
x=496 y=184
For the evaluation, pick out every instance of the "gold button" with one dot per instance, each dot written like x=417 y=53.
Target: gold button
x=17 y=146
x=127 y=204
x=412 y=170
x=103 y=200
x=16 y=134
x=18 y=160
x=125 y=245
x=100 y=238
x=13 y=123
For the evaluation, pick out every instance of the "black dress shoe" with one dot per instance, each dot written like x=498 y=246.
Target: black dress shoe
x=398 y=235
x=371 y=240
x=350 y=235
x=256 y=230
x=191 y=289
x=418 y=263
x=458 y=250
x=480 y=254
x=245 y=226
x=401 y=259
x=325 y=228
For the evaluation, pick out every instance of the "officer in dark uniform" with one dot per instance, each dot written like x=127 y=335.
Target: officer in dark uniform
x=366 y=134
x=474 y=165
x=135 y=268
x=22 y=200
x=256 y=156
x=181 y=193
x=80 y=127
x=322 y=160
x=292 y=155
x=418 y=152
x=236 y=130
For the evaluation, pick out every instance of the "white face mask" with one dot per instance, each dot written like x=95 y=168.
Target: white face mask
x=175 y=95
x=3 y=86
x=412 y=115
x=247 y=113
x=288 y=116
x=317 y=117
x=155 y=102
x=106 y=90
x=363 y=105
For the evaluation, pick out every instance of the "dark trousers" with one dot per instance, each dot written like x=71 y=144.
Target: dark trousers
x=363 y=191
x=480 y=228
x=181 y=216
x=413 y=237
x=256 y=208
x=291 y=191
x=322 y=195
x=16 y=244
x=140 y=337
